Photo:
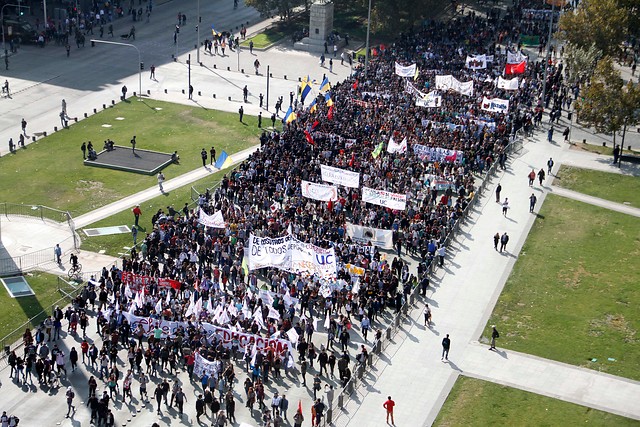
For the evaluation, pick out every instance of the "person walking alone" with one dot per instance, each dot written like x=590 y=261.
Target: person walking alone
x=503 y=242
x=505 y=206
x=498 y=190
x=532 y=202
x=494 y=334
x=70 y=395
x=160 y=181
x=446 y=345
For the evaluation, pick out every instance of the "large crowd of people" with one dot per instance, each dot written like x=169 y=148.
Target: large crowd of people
x=196 y=275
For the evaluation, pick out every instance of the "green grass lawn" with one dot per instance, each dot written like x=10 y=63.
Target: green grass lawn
x=115 y=243
x=605 y=185
x=265 y=39
x=16 y=311
x=57 y=177
x=573 y=293
x=474 y=402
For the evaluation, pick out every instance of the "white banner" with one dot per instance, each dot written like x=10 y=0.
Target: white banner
x=290 y=254
x=214 y=221
x=340 y=176
x=384 y=198
x=476 y=62
x=451 y=83
x=394 y=147
x=375 y=236
x=508 y=84
x=318 y=191
x=431 y=100
x=408 y=71
x=496 y=105
x=516 y=58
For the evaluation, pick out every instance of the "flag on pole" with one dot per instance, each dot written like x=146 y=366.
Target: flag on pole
x=328 y=100
x=158 y=306
x=313 y=106
x=325 y=85
x=307 y=135
x=415 y=76
x=378 y=150
x=305 y=88
x=330 y=113
x=222 y=159
x=515 y=68
x=290 y=116
x=214 y=32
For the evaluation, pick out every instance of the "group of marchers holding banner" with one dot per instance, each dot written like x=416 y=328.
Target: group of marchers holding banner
x=308 y=233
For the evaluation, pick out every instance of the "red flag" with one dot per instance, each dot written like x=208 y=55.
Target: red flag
x=515 y=68
x=315 y=123
x=452 y=157
x=300 y=406
x=355 y=85
x=353 y=159
x=374 y=52
x=330 y=113
x=309 y=139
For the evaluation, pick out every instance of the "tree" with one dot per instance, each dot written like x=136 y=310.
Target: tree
x=580 y=62
x=602 y=23
x=267 y=7
x=607 y=103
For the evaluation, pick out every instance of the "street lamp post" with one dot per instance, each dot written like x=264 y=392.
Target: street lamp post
x=198 y=31
x=366 y=52
x=139 y=60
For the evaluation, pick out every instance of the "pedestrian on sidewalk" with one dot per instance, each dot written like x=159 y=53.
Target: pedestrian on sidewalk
x=498 y=190
x=427 y=315
x=160 y=181
x=212 y=152
x=133 y=144
x=24 y=127
x=532 y=202
x=153 y=72
x=446 y=345
x=70 y=395
x=388 y=405
x=503 y=242
x=549 y=165
x=496 y=240
x=57 y=251
x=541 y=176
x=245 y=93
x=260 y=120
x=532 y=177
x=441 y=255
x=190 y=92
x=505 y=206
x=494 y=334
x=550 y=134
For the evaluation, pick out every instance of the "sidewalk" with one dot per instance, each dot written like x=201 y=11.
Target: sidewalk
x=596 y=201
x=554 y=379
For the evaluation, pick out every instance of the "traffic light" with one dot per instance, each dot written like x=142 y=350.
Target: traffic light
x=142 y=65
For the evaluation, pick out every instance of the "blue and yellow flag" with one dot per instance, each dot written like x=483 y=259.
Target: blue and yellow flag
x=328 y=100
x=325 y=85
x=290 y=116
x=223 y=160
x=214 y=32
x=313 y=107
x=305 y=88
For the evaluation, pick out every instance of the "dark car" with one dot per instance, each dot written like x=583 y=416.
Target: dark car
x=19 y=30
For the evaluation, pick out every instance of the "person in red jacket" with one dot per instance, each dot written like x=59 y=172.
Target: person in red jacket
x=388 y=405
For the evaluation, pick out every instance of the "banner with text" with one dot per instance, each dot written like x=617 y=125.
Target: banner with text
x=437 y=154
x=214 y=221
x=320 y=192
x=375 y=236
x=340 y=176
x=384 y=198
x=408 y=71
x=496 y=105
x=290 y=254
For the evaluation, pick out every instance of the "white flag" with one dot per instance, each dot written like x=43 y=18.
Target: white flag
x=158 y=307
x=505 y=84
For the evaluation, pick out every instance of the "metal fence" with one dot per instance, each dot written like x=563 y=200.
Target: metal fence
x=378 y=348
x=13 y=340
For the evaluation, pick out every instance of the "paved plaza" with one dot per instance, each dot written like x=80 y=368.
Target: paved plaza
x=463 y=294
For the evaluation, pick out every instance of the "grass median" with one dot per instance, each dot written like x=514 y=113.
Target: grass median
x=572 y=295
x=474 y=402
x=50 y=171
x=605 y=185
x=17 y=311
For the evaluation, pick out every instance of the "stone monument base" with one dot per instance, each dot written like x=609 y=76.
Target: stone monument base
x=317 y=46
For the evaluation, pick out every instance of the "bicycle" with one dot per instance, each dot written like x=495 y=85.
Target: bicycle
x=75 y=272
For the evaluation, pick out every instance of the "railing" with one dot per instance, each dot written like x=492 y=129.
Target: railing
x=379 y=347
x=13 y=340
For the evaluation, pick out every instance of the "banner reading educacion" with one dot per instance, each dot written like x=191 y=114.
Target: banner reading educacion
x=226 y=336
x=290 y=254
x=340 y=176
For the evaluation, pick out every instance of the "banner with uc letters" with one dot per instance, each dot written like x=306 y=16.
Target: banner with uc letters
x=290 y=254
x=384 y=198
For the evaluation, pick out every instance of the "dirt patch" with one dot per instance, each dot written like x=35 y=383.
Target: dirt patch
x=573 y=277
x=94 y=190
x=613 y=322
x=188 y=117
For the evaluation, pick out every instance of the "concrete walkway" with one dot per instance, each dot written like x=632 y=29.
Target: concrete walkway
x=596 y=201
